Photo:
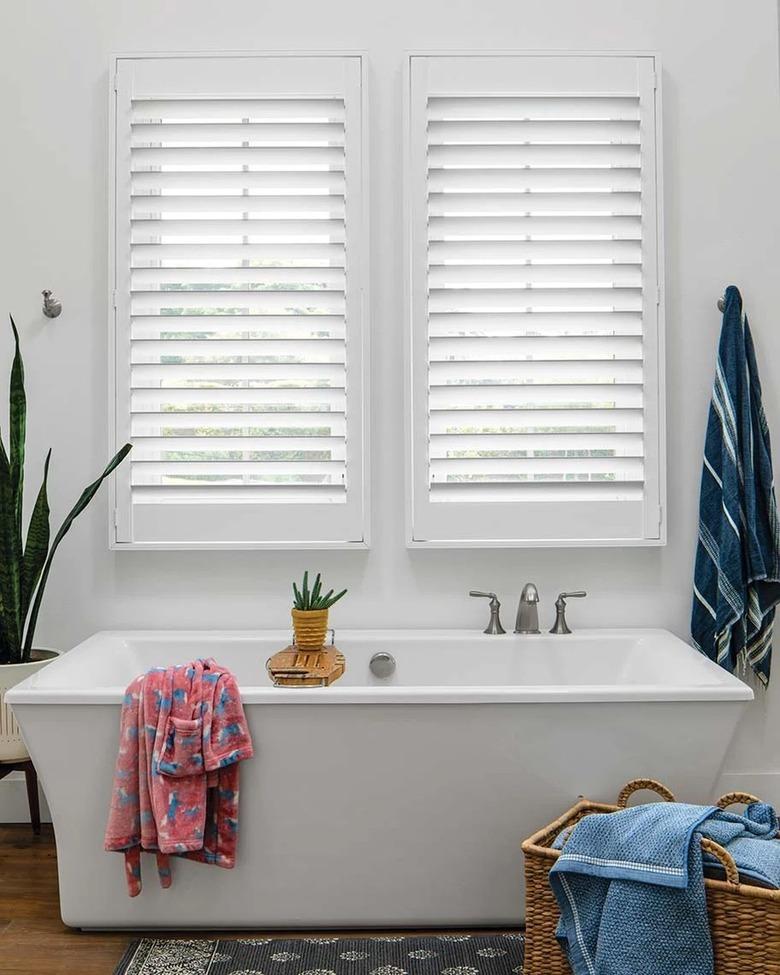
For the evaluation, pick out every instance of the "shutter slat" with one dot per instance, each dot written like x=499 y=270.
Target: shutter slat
x=548 y=156
x=238 y=133
x=285 y=183
x=510 y=253
x=240 y=492
x=519 y=107
x=237 y=327
x=584 y=445
x=203 y=254
x=483 y=277
x=508 y=397
x=535 y=348
x=245 y=207
x=568 y=491
x=317 y=110
x=548 y=322
x=574 y=203
x=573 y=132
x=495 y=182
x=231 y=399
x=236 y=351
x=235 y=230
x=265 y=425
x=238 y=303
x=548 y=468
x=180 y=375
x=206 y=159
x=535 y=226
x=199 y=279
x=235 y=470
x=561 y=372
x=239 y=448
x=600 y=297
x=539 y=421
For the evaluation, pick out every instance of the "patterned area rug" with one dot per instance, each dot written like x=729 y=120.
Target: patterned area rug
x=446 y=954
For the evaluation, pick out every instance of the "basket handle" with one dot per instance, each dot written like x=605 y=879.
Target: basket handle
x=726 y=859
x=636 y=785
x=735 y=798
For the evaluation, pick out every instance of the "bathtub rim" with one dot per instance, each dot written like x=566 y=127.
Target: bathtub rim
x=727 y=688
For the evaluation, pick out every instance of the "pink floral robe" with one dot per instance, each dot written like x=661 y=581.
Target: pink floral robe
x=182 y=734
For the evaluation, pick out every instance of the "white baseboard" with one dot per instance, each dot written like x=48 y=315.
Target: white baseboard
x=13 y=800
x=765 y=785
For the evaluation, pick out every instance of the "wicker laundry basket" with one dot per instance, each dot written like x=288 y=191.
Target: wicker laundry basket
x=744 y=919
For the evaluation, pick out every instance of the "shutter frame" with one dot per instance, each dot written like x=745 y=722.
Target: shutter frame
x=230 y=519
x=538 y=520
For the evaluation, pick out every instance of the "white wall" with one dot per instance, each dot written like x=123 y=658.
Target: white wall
x=722 y=164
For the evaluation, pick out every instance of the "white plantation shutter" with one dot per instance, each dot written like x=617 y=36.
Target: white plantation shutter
x=535 y=300
x=239 y=342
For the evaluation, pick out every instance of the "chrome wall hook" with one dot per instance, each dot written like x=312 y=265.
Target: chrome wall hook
x=52 y=306
x=721 y=304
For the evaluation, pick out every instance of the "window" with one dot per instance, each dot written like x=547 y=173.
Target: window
x=535 y=301
x=239 y=351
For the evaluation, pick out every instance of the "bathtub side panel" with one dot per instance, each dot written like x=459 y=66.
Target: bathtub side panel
x=370 y=815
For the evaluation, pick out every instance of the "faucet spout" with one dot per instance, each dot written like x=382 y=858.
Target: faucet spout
x=527 y=610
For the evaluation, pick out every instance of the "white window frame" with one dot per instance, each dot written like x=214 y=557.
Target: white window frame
x=302 y=522
x=464 y=526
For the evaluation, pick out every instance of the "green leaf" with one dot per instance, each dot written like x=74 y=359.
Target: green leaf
x=87 y=495
x=37 y=545
x=298 y=599
x=9 y=565
x=336 y=598
x=11 y=491
x=18 y=426
x=306 y=590
x=316 y=590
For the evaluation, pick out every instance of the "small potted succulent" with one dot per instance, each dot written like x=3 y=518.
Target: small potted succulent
x=310 y=613
x=25 y=560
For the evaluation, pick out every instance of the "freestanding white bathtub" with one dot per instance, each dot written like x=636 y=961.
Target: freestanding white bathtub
x=395 y=802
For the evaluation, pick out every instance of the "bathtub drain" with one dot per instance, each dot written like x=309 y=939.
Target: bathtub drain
x=382 y=664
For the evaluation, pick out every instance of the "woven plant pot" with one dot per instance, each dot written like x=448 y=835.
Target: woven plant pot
x=310 y=627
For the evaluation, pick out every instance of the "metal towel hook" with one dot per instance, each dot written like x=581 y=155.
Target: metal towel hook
x=721 y=304
x=52 y=306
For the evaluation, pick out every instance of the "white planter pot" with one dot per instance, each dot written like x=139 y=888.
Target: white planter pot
x=12 y=747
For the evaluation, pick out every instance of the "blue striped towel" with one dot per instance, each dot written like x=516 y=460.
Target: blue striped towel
x=736 y=582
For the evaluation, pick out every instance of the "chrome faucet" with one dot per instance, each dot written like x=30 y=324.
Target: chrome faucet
x=527 y=610
x=494 y=626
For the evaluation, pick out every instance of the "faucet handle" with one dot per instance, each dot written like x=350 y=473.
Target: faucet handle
x=560 y=625
x=494 y=626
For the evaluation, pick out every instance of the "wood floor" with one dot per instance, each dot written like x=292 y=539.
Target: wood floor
x=33 y=939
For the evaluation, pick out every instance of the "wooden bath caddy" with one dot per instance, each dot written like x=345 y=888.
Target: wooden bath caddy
x=292 y=667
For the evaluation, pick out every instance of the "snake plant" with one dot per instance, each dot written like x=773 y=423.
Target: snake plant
x=314 y=598
x=25 y=563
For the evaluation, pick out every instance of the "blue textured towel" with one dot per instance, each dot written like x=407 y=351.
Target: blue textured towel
x=737 y=577
x=630 y=885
